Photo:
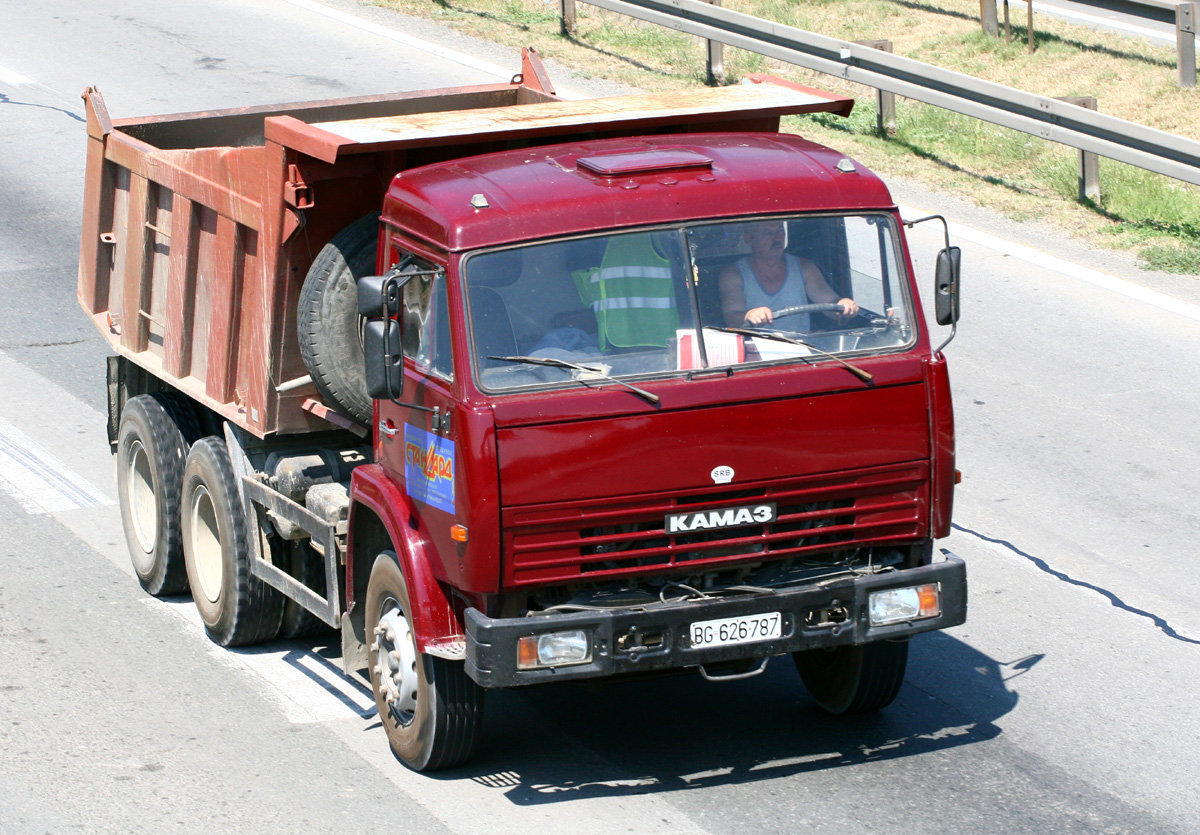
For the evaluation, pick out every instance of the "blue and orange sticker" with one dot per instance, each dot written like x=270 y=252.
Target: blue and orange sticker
x=429 y=468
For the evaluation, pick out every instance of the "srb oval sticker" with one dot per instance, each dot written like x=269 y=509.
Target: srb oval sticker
x=722 y=474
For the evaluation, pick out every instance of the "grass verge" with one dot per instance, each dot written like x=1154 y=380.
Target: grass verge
x=1024 y=177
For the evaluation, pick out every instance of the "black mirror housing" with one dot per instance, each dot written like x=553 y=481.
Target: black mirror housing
x=384 y=352
x=946 y=286
x=376 y=292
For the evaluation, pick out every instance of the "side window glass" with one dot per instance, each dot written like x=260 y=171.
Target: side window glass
x=427 y=319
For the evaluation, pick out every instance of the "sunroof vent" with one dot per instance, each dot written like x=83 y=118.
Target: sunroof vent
x=643 y=162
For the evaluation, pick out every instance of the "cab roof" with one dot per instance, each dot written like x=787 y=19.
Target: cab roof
x=579 y=187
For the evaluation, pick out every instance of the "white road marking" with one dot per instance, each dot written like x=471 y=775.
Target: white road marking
x=307 y=686
x=38 y=480
x=1045 y=260
x=56 y=427
x=1106 y=23
x=13 y=78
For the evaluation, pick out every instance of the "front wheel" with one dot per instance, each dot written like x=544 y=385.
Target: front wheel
x=432 y=711
x=854 y=679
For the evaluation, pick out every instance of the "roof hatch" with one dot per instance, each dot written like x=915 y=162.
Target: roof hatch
x=643 y=162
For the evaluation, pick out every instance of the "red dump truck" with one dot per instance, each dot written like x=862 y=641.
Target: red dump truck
x=511 y=390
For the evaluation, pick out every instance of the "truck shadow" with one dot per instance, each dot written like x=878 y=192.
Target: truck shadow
x=577 y=741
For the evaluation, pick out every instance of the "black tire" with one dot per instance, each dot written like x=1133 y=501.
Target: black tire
x=236 y=608
x=302 y=562
x=327 y=320
x=151 y=452
x=848 y=680
x=184 y=411
x=432 y=711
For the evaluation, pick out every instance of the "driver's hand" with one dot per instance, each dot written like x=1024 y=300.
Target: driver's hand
x=849 y=307
x=759 y=315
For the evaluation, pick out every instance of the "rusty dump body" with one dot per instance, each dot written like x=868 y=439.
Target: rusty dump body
x=199 y=228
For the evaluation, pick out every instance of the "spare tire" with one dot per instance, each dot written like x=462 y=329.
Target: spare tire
x=327 y=320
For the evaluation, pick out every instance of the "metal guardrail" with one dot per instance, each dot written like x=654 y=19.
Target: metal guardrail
x=1047 y=118
x=1183 y=13
x=1185 y=34
x=1186 y=18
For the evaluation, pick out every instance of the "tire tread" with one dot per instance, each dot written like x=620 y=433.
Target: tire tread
x=167 y=448
x=331 y=282
x=253 y=612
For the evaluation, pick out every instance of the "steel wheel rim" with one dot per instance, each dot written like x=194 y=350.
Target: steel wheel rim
x=142 y=500
x=205 y=545
x=396 y=663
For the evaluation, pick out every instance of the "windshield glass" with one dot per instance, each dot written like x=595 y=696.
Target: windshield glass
x=632 y=303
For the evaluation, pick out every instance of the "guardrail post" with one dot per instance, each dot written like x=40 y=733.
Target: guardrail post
x=715 y=65
x=567 y=13
x=1185 y=43
x=885 y=102
x=1089 y=163
x=987 y=16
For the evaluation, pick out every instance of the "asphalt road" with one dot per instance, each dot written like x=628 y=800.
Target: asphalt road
x=1066 y=703
x=1131 y=18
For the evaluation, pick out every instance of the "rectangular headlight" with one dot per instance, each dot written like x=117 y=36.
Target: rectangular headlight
x=905 y=604
x=553 y=649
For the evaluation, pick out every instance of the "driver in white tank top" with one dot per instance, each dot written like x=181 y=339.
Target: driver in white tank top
x=790 y=294
x=771 y=279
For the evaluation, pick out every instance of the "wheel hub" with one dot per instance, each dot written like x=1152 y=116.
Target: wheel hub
x=396 y=663
x=206 y=545
x=141 y=499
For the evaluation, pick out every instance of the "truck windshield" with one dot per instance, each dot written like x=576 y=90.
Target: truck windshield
x=638 y=303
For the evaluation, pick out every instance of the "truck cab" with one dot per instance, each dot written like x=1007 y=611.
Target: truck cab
x=605 y=469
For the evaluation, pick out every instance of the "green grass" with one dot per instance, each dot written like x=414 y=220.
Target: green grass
x=1018 y=174
x=1156 y=216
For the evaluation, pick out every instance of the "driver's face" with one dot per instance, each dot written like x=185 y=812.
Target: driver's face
x=767 y=238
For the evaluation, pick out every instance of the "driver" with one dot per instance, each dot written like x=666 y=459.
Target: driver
x=771 y=279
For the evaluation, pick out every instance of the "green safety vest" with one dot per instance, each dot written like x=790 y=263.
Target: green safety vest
x=631 y=293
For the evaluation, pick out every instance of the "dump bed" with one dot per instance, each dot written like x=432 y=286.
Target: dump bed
x=198 y=228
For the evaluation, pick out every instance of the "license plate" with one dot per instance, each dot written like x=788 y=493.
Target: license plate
x=741 y=630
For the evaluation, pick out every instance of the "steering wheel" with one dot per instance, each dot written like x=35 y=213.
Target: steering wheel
x=806 y=308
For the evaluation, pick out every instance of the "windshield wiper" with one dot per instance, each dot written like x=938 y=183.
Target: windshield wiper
x=865 y=376
x=554 y=362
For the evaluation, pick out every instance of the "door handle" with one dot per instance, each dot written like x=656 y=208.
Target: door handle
x=387 y=429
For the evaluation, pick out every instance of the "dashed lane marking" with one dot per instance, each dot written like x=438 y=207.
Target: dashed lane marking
x=13 y=78
x=38 y=480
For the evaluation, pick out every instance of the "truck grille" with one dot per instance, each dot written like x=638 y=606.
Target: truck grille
x=627 y=535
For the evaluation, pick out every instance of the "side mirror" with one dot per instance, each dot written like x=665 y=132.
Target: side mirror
x=378 y=295
x=946 y=286
x=378 y=301
x=382 y=346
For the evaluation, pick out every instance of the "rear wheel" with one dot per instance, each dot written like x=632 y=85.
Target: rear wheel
x=854 y=679
x=432 y=711
x=236 y=607
x=306 y=565
x=151 y=451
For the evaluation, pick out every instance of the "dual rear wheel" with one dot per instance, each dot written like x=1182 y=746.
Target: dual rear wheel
x=184 y=522
x=236 y=607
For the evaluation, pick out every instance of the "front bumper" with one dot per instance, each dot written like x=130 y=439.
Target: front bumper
x=658 y=637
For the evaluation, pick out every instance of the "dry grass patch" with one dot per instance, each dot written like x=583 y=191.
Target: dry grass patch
x=1001 y=169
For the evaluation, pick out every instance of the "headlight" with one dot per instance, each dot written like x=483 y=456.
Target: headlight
x=900 y=605
x=553 y=649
